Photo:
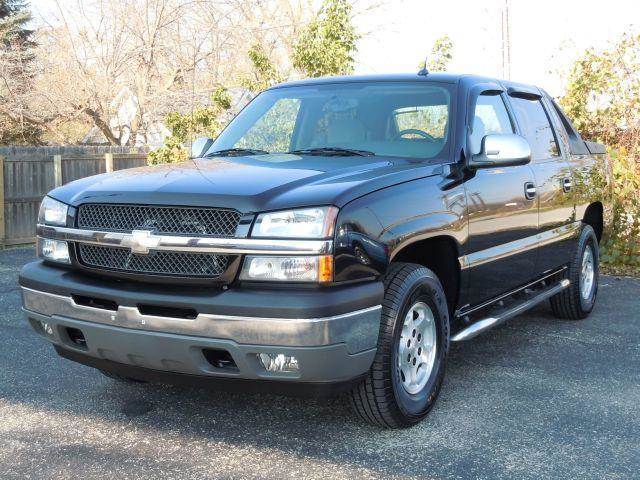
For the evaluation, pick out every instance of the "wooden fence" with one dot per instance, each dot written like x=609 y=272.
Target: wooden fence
x=28 y=173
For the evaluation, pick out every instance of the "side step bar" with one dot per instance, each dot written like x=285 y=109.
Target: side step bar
x=486 y=323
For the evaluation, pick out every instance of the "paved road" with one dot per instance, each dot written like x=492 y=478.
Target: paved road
x=538 y=398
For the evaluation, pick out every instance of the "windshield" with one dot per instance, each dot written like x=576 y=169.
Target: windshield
x=403 y=119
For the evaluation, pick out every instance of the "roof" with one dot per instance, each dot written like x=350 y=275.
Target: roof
x=400 y=77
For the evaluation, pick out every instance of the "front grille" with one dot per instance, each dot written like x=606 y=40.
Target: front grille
x=160 y=220
x=155 y=263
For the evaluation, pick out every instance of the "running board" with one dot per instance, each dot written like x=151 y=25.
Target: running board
x=487 y=323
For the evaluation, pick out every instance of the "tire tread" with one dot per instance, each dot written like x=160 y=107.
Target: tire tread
x=567 y=304
x=374 y=400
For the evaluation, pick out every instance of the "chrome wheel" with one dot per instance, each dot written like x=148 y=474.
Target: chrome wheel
x=587 y=273
x=417 y=348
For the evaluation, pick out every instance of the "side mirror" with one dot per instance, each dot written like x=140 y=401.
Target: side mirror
x=200 y=146
x=502 y=150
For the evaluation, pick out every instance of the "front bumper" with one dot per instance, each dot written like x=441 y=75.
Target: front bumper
x=332 y=332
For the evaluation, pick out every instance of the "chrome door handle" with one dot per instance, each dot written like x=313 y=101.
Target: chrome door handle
x=566 y=184
x=529 y=190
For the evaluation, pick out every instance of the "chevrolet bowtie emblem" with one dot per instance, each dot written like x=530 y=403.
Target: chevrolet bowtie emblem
x=141 y=241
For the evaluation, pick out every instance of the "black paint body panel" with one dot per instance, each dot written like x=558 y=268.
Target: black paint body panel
x=388 y=204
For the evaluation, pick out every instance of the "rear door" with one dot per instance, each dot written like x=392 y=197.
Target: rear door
x=553 y=179
x=503 y=218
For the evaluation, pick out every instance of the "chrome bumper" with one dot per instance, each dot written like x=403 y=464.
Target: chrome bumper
x=358 y=330
x=328 y=350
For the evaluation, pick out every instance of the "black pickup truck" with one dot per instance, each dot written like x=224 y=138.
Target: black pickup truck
x=336 y=237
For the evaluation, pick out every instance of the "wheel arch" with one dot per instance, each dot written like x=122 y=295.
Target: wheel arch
x=594 y=216
x=439 y=254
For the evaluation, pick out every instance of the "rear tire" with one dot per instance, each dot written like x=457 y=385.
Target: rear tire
x=407 y=372
x=577 y=301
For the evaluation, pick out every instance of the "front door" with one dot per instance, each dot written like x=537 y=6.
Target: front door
x=503 y=214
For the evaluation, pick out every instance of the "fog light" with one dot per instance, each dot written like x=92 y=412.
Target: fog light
x=55 y=250
x=278 y=362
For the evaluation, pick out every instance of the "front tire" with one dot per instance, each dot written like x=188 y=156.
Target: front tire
x=577 y=301
x=407 y=372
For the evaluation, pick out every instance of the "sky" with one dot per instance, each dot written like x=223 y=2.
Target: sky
x=547 y=35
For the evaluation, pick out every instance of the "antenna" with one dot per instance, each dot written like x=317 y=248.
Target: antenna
x=506 y=39
x=425 y=71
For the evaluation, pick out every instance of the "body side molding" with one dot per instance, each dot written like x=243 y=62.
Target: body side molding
x=518 y=246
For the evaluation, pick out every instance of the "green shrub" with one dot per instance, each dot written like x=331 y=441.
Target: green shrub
x=202 y=121
x=622 y=246
x=603 y=100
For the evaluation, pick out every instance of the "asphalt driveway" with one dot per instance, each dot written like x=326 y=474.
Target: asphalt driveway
x=537 y=398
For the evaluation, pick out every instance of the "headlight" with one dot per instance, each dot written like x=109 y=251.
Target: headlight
x=304 y=223
x=54 y=250
x=288 y=269
x=52 y=212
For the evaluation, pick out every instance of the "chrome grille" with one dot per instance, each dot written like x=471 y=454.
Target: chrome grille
x=155 y=263
x=158 y=219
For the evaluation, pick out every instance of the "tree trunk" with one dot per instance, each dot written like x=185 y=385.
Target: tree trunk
x=102 y=125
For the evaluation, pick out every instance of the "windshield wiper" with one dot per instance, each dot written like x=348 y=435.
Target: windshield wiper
x=236 y=152
x=333 y=151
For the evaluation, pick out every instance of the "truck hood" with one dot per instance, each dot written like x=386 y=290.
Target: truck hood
x=248 y=184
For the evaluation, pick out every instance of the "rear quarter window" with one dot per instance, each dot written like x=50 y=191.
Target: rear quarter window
x=576 y=144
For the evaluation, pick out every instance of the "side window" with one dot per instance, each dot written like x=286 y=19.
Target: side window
x=490 y=116
x=562 y=135
x=576 y=145
x=536 y=128
x=274 y=130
